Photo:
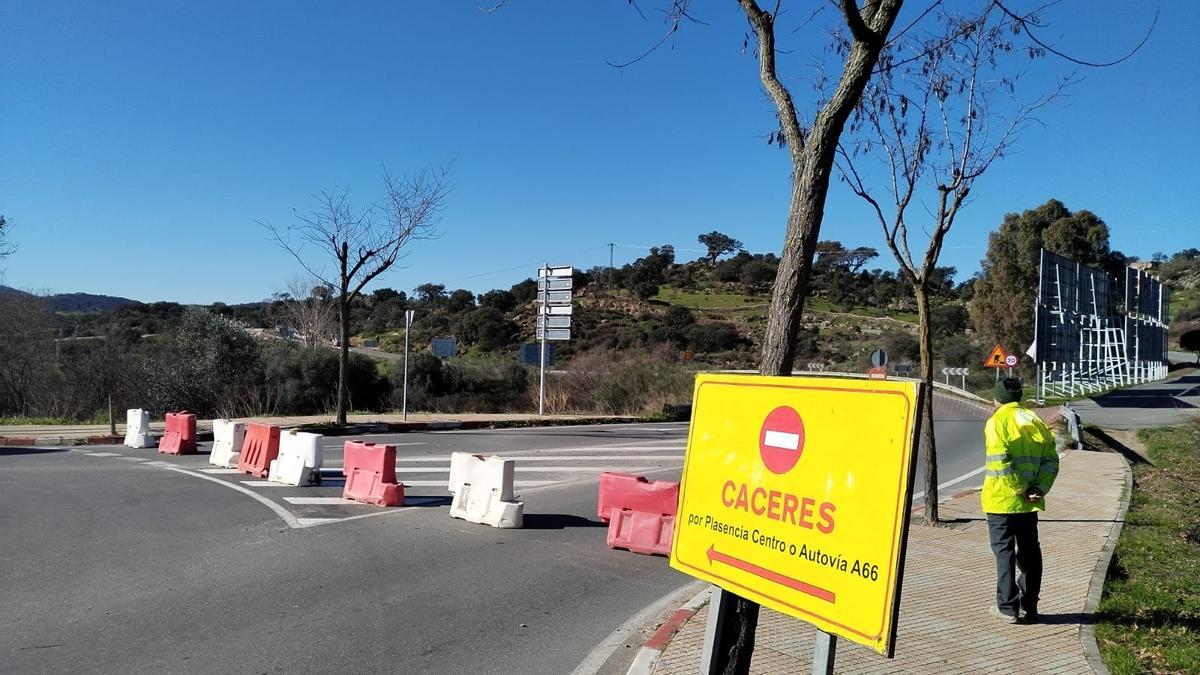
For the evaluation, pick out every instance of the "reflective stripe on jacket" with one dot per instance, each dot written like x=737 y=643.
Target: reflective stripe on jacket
x=1020 y=455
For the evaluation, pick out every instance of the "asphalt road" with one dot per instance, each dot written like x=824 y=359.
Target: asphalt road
x=123 y=560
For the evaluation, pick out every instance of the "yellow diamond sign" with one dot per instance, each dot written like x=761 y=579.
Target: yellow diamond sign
x=795 y=494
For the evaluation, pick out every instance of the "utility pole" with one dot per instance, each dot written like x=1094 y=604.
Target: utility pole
x=408 y=319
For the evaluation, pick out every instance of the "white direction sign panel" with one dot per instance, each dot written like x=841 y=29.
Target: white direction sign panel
x=555 y=283
x=554 y=333
x=554 y=321
x=555 y=297
x=559 y=310
x=563 y=271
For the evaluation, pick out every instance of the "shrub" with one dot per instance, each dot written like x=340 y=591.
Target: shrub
x=713 y=337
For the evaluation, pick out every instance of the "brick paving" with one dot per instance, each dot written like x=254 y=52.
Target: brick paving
x=949 y=584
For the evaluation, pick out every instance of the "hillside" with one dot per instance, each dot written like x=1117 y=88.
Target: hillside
x=76 y=302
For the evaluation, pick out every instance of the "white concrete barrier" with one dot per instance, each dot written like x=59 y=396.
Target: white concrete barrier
x=300 y=458
x=483 y=490
x=227 y=443
x=137 y=429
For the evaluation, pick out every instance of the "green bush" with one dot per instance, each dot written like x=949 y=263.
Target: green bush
x=303 y=380
x=472 y=384
x=716 y=336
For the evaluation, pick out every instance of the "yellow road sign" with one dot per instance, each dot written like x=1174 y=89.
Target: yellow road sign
x=795 y=494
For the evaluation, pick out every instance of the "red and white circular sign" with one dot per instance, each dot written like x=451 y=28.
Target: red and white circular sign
x=781 y=439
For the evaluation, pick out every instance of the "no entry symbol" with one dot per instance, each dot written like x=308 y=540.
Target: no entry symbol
x=781 y=440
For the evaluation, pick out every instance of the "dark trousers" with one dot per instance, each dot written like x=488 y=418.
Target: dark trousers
x=1015 y=543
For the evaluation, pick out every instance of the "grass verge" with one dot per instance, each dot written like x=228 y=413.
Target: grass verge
x=1149 y=618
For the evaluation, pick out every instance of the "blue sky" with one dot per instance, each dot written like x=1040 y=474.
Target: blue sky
x=141 y=142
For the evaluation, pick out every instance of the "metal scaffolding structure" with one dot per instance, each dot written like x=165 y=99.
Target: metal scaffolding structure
x=1082 y=346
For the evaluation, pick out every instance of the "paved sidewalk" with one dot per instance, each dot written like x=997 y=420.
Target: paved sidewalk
x=949 y=583
x=81 y=433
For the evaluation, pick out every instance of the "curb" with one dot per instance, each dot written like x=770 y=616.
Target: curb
x=647 y=657
x=1087 y=632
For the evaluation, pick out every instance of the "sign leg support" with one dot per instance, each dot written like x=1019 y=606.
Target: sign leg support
x=729 y=634
x=823 y=653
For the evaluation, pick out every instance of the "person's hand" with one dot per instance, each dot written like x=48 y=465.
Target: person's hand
x=1033 y=494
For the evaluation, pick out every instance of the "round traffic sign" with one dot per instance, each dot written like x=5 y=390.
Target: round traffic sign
x=1010 y=360
x=879 y=358
x=781 y=440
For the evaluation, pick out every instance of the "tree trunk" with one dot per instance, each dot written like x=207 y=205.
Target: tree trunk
x=812 y=167
x=925 y=405
x=343 y=389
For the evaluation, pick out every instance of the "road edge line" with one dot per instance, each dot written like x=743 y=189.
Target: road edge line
x=603 y=652
x=283 y=513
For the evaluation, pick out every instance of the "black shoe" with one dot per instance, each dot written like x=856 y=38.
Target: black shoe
x=1030 y=616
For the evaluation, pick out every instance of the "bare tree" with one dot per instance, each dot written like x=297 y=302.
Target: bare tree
x=935 y=125
x=363 y=243
x=5 y=249
x=309 y=309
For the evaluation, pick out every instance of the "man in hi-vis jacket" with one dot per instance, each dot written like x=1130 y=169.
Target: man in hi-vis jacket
x=1021 y=465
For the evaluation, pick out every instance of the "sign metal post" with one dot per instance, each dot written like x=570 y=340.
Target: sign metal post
x=408 y=319
x=543 y=272
x=553 y=320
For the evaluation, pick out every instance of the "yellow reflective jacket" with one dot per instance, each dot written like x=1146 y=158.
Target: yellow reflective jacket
x=1020 y=455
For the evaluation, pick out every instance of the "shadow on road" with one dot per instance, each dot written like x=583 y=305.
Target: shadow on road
x=558 y=521
x=424 y=501
x=5 y=451
x=1167 y=396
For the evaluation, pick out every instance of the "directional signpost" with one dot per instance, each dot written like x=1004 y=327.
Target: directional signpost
x=961 y=372
x=554 y=315
x=795 y=495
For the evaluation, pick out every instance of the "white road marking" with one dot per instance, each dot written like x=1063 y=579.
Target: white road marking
x=135 y=459
x=308 y=522
x=531 y=469
x=279 y=510
x=318 y=501
x=339 y=446
x=952 y=481
x=545 y=458
x=265 y=483
x=219 y=470
x=102 y=454
x=445 y=483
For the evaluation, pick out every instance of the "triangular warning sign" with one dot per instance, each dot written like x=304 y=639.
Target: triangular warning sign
x=996 y=358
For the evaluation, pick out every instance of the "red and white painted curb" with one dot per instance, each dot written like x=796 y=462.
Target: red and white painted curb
x=647 y=657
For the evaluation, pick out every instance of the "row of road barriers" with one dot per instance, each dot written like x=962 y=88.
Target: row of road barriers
x=640 y=513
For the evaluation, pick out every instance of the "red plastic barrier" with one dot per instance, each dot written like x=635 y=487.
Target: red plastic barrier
x=370 y=472
x=180 y=438
x=641 y=532
x=627 y=491
x=640 y=513
x=258 y=449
